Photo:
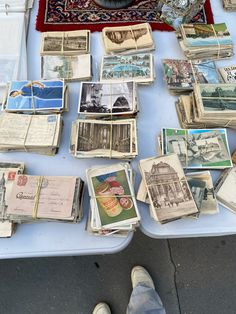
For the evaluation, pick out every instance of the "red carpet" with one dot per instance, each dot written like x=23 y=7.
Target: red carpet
x=65 y=15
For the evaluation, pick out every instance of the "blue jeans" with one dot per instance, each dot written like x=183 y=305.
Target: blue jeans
x=145 y=300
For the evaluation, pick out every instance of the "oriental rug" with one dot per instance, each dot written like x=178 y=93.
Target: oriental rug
x=66 y=15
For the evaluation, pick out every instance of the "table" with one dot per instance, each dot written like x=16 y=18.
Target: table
x=51 y=238
x=158 y=110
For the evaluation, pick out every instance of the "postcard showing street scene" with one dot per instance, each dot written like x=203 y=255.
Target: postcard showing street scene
x=167 y=187
x=203 y=148
x=107 y=98
x=103 y=137
x=137 y=67
x=220 y=98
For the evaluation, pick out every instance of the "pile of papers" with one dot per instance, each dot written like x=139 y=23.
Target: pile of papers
x=113 y=208
x=30 y=133
x=8 y=172
x=36 y=97
x=180 y=75
x=45 y=198
x=229 y=5
x=205 y=41
x=165 y=187
x=210 y=105
x=225 y=189
x=66 y=55
x=100 y=138
x=228 y=73
x=197 y=149
x=175 y=12
x=108 y=100
x=123 y=39
x=137 y=67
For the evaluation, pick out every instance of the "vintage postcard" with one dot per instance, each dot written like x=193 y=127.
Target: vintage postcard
x=66 y=67
x=202 y=189
x=72 y=42
x=113 y=194
x=138 y=67
x=168 y=190
x=107 y=98
x=97 y=138
x=200 y=148
x=33 y=96
x=228 y=73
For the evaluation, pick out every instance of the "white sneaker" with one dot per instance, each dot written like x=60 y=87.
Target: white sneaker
x=140 y=275
x=101 y=308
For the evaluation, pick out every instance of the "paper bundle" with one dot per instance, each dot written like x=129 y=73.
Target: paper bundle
x=229 y=5
x=210 y=105
x=36 y=97
x=98 y=138
x=113 y=208
x=166 y=188
x=205 y=41
x=180 y=75
x=45 y=198
x=108 y=100
x=65 y=55
x=137 y=67
x=197 y=149
x=30 y=133
x=8 y=172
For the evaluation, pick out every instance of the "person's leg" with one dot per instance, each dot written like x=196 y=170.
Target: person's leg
x=144 y=298
x=101 y=308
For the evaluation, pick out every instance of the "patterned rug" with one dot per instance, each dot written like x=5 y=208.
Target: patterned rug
x=65 y=15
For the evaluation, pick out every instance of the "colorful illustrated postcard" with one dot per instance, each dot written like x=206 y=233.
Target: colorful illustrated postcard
x=35 y=95
x=202 y=148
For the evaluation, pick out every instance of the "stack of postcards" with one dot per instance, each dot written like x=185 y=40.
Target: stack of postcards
x=210 y=105
x=180 y=75
x=66 y=55
x=30 y=133
x=36 y=97
x=126 y=39
x=225 y=189
x=229 y=5
x=228 y=73
x=113 y=208
x=175 y=12
x=137 y=67
x=165 y=187
x=47 y=198
x=205 y=41
x=197 y=149
x=107 y=124
x=8 y=172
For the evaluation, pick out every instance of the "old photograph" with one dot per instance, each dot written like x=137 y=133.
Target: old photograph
x=107 y=98
x=167 y=187
x=52 y=44
x=203 y=148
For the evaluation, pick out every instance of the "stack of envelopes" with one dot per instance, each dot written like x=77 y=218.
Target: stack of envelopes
x=126 y=39
x=36 y=97
x=106 y=126
x=165 y=187
x=30 y=133
x=210 y=105
x=197 y=148
x=205 y=41
x=8 y=172
x=113 y=208
x=229 y=5
x=180 y=75
x=66 y=55
x=137 y=67
x=47 y=198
